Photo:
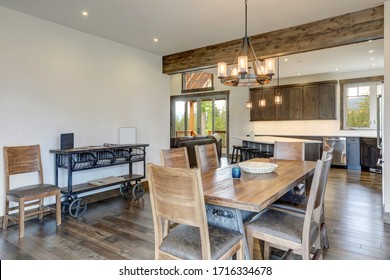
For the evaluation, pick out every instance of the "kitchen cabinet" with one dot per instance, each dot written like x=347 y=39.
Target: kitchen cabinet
x=319 y=101
x=311 y=101
x=353 y=153
x=369 y=154
x=267 y=112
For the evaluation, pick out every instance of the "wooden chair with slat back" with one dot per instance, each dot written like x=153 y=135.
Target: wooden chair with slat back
x=298 y=203
x=298 y=233
x=206 y=157
x=289 y=150
x=27 y=159
x=177 y=157
x=177 y=195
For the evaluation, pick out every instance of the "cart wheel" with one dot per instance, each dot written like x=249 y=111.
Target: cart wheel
x=77 y=208
x=138 y=190
x=125 y=189
x=66 y=200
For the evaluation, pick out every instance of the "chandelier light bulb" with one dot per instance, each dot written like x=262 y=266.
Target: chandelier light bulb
x=243 y=64
x=234 y=71
x=222 y=69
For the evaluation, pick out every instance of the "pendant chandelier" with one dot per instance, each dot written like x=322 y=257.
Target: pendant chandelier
x=243 y=73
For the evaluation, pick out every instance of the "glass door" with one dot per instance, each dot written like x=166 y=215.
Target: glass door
x=200 y=115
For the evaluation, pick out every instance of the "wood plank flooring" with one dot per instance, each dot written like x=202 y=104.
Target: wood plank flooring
x=119 y=228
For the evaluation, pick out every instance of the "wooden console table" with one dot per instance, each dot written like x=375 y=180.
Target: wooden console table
x=91 y=157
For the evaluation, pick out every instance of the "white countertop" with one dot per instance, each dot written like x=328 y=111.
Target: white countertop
x=272 y=139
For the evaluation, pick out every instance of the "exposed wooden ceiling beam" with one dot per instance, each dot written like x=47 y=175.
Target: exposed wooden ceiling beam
x=332 y=32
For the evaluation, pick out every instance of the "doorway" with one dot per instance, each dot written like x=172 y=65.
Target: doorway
x=201 y=114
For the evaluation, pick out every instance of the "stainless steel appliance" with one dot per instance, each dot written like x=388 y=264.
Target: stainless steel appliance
x=339 y=145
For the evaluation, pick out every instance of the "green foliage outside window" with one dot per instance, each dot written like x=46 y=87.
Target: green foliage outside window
x=359 y=117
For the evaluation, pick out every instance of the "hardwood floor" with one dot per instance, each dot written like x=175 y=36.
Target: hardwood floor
x=119 y=228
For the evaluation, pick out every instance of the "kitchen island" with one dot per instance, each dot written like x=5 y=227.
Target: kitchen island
x=266 y=144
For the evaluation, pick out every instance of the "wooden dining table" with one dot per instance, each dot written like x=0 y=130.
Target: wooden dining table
x=230 y=203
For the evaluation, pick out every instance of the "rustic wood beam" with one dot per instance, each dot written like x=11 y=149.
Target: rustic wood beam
x=337 y=31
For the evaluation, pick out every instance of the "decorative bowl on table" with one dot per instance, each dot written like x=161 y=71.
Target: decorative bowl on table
x=258 y=167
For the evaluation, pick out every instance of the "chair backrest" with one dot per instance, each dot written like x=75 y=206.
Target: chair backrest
x=22 y=159
x=177 y=157
x=289 y=150
x=316 y=196
x=206 y=157
x=177 y=195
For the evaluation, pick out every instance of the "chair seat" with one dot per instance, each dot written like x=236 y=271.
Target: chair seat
x=292 y=202
x=184 y=242
x=32 y=190
x=282 y=225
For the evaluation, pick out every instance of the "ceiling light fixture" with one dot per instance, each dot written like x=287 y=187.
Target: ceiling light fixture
x=262 y=101
x=240 y=73
x=155 y=39
x=84 y=13
x=278 y=94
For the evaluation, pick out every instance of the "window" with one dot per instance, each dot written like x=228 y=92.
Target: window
x=197 y=81
x=359 y=99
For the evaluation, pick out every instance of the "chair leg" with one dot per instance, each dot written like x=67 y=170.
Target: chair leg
x=5 y=218
x=240 y=252
x=324 y=233
x=266 y=250
x=58 y=208
x=40 y=215
x=21 y=218
x=249 y=240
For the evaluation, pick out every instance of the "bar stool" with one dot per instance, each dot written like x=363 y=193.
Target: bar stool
x=236 y=154
x=254 y=153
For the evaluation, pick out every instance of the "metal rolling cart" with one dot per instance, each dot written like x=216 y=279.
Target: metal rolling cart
x=91 y=157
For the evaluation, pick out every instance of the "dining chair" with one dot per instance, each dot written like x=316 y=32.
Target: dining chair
x=177 y=157
x=177 y=195
x=284 y=229
x=289 y=150
x=298 y=203
x=206 y=157
x=30 y=199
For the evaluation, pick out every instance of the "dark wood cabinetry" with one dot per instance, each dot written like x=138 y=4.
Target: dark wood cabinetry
x=267 y=112
x=369 y=154
x=313 y=101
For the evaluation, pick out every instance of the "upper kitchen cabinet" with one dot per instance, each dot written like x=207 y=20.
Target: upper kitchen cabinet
x=267 y=112
x=291 y=107
x=311 y=101
x=319 y=101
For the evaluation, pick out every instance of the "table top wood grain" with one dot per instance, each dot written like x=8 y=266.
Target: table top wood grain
x=254 y=192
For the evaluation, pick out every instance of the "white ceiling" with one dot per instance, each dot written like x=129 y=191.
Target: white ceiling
x=187 y=24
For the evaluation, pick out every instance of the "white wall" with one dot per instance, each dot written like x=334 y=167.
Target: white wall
x=386 y=115
x=54 y=80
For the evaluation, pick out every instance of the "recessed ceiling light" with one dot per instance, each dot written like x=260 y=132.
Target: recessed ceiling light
x=372 y=58
x=84 y=13
x=373 y=64
x=155 y=39
x=286 y=59
x=371 y=51
x=298 y=74
x=336 y=69
x=370 y=41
